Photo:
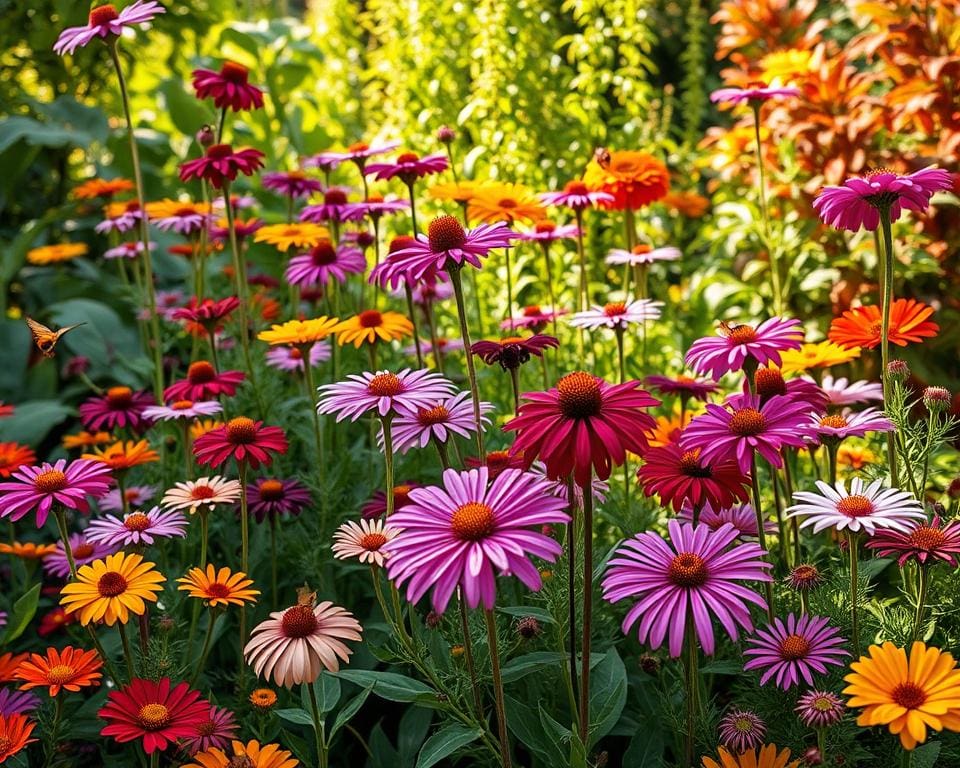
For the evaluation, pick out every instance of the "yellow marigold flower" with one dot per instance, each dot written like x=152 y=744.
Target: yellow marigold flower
x=263 y=698
x=300 y=332
x=302 y=234
x=200 y=427
x=124 y=455
x=101 y=188
x=767 y=757
x=823 y=354
x=635 y=179
x=27 y=550
x=55 y=254
x=855 y=457
x=456 y=192
x=906 y=695
x=167 y=209
x=371 y=326
x=218 y=587
x=505 y=202
x=109 y=590
x=86 y=439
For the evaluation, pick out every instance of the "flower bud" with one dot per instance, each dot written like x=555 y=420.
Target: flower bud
x=529 y=628
x=446 y=134
x=937 y=399
x=898 y=370
x=206 y=137
x=649 y=663
x=166 y=623
x=805 y=577
x=812 y=756
x=432 y=621
x=457 y=651
x=76 y=366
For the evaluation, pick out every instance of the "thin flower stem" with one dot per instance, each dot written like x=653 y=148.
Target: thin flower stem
x=572 y=592
x=775 y=288
x=854 y=541
x=545 y=247
x=618 y=330
x=691 y=684
x=317 y=432
x=408 y=292
x=122 y=489
x=376 y=259
x=454 y=272
x=388 y=461
x=498 y=688
x=187 y=455
x=515 y=385
x=886 y=287
x=413 y=210
x=587 y=611
x=832 y=462
x=468 y=654
x=207 y=645
x=822 y=745
x=61 y=516
x=244 y=560
x=127 y=651
x=582 y=291
x=794 y=523
x=319 y=727
x=273 y=560
x=204 y=536
x=921 y=601
x=761 y=536
x=928 y=447
x=506 y=253
x=434 y=340
x=155 y=759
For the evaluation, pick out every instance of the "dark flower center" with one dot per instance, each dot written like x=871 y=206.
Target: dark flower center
x=691 y=467
x=153 y=717
x=769 y=382
x=334 y=197
x=544 y=226
x=185 y=211
x=407 y=157
x=687 y=569
x=219 y=151
x=927 y=538
x=103 y=15
x=385 y=385
x=234 y=73
x=855 y=506
x=51 y=481
x=739 y=334
x=446 y=234
x=747 y=422
x=400 y=242
x=241 y=431
x=370 y=318
x=372 y=541
x=580 y=396
x=299 y=621
x=507 y=202
x=119 y=397
x=201 y=372
x=835 y=421
x=576 y=188
x=111 y=584
x=202 y=492
x=437 y=415
x=82 y=551
x=323 y=253
x=909 y=695
x=794 y=647
x=295 y=353
x=217 y=589
x=614 y=308
x=207 y=727
x=241 y=761
x=136 y=522
x=473 y=521
x=271 y=490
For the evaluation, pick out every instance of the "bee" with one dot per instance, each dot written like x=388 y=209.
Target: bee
x=602 y=156
x=45 y=338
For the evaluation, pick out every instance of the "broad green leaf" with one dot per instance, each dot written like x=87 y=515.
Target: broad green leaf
x=608 y=695
x=32 y=421
x=23 y=612
x=521 y=666
x=387 y=685
x=444 y=743
x=298 y=716
x=350 y=709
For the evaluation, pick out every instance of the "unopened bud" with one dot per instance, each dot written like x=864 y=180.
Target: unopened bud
x=432 y=621
x=649 y=663
x=457 y=651
x=166 y=623
x=937 y=399
x=812 y=756
x=206 y=137
x=446 y=134
x=898 y=370
x=528 y=628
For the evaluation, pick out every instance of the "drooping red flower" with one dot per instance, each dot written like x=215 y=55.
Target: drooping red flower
x=118 y=407
x=220 y=164
x=679 y=476
x=204 y=383
x=229 y=87
x=243 y=439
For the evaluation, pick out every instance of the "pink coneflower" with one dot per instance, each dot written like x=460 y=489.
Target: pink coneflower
x=864 y=508
x=324 y=261
x=117 y=408
x=696 y=575
x=743 y=426
x=203 y=494
x=462 y=533
x=925 y=542
x=376 y=206
x=617 y=314
x=448 y=417
x=357 y=153
x=229 y=88
x=430 y=289
x=643 y=255
x=242 y=439
x=137 y=529
x=136 y=497
x=534 y=317
x=363 y=541
x=121 y=221
x=291 y=358
x=447 y=244
x=209 y=313
x=684 y=386
x=741 y=730
x=64 y=483
x=204 y=383
x=408 y=167
x=186 y=221
x=182 y=409
x=581 y=424
x=106 y=22
x=270 y=497
x=127 y=250
x=242 y=229
x=820 y=709
x=384 y=392
x=841 y=392
x=545 y=231
x=376 y=506
x=734 y=344
x=791 y=650
x=754 y=93
x=335 y=207
x=769 y=382
x=221 y=164
x=218 y=730
x=599 y=488
x=681 y=477
x=296 y=645
x=740 y=516
x=444 y=347
x=576 y=195
x=292 y=184
x=856 y=204
x=84 y=552
x=497 y=462
x=839 y=426
x=513 y=351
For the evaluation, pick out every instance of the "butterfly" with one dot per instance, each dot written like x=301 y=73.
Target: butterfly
x=45 y=338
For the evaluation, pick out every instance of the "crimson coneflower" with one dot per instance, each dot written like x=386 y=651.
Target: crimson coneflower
x=221 y=164
x=203 y=382
x=270 y=498
x=681 y=477
x=925 y=542
x=229 y=88
x=243 y=439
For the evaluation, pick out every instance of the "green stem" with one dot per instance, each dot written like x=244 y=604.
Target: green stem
x=931 y=416
x=61 y=517
x=127 y=651
x=454 y=272
x=775 y=289
x=385 y=422
x=506 y=253
x=187 y=462
x=854 y=541
x=275 y=595
x=691 y=685
x=515 y=386
x=244 y=560
x=207 y=645
x=545 y=247
x=832 y=462
x=408 y=292
x=921 y=602
x=761 y=536
x=572 y=594
x=498 y=688
x=886 y=287
x=582 y=292
x=50 y=755
x=317 y=432
x=319 y=727
x=204 y=536
x=587 y=612
x=618 y=330
x=468 y=653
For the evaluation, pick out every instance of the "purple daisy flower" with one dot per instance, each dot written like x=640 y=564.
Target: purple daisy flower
x=291 y=359
x=696 y=570
x=123 y=222
x=446 y=244
x=217 y=730
x=137 y=529
x=863 y=508
x=791 y=650
x=84 y=552
x=743 y=426
x=820 y=709
x=842 y=392
x=375 y=206
x=741 y=730
x=546 y=232
x=106 y=22
x=384 y=392
x=17 y=702
x=409 y=166
x=127 y=250
x=185 y=222
x=924 y=542
x=292 y=184
x=684 y=386
x=440 y=421
x=335 y=207
x=118 y=407
x=270 y=497
x=576 y=195
x=740 y=516
x=838 y=426
x=182 y=409
x=38 y=488
x=137 y=496
x=462 y=533
x=733 y=344
x=323 y=262
x=754 y=93
x=357 y=153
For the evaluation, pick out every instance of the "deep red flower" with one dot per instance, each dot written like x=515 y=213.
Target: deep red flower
x=513 y=351
x=154 y=712
x=220 y=164
x=118 y=407
x=496 y=462
x=679 y=476
x=246 y=440
x=228 y=88
x=206 y=312
x=582 y=422
x=204 y=383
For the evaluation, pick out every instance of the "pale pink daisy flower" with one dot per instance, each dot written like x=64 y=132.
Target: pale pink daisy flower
x=363 y=541
x=439 y=421
x=444 y=347
x=838 y=426
x=598 y=486
x=643 y=255
x=863 y=508
x=138 y=528
x=182 y=409
x=105 y=22
x=842 y=392
x=383 y=392
x=408 y=166
x=547 y=231
x=617 y=314
x=84 y=552
x=127 y=250
x=136 y=497
x=203 y=494
x=291 y=358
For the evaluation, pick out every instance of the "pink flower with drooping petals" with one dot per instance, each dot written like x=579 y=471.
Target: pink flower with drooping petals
x=791 y=650
x=742 y=731
x=136 y=496
x=229 y=88
x=292 y=184
x=741 y=516
x=64 y=483
x=105 y=22
x=216 y=731
x=734 y=344
x=925 y=542
x=384 y=392
x=123 y=221
x=842 y=392
x=335 y=207
x=221 y=164
x=682 y=477
x=754 y=93
x=84 y=552
x=182 y=409
x=357 y=153
x=462 y=533
x=376 y=206
x=576 y=195
x=513 y=351
x=117 y=408
x=127 y=250
x=203 y=382
x=137 y=529
x=363 y=540
x=617 y=314
x=545 y=232
x=769 y=382
x=839 y=426
x=409 y=166
x=323 y=262
x=269 y=498
x=684 y=386
x=534 y=317
x=242 y=439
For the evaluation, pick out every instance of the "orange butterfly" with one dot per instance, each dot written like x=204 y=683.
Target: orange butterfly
x=45 y=338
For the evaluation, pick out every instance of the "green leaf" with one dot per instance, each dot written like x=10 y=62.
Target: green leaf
x=387 y=685
x=522 y=611
x=445 y=742
x=298 y=716
x=925 y=756
x=350 y=709
x=521 y=666
x=608 y=695
x=23 y=612
x=646 y=749
x=188 y=114
x=328 y=692
x=414 y=726
x=722 y=667
x=524 y=723
x=32 y=421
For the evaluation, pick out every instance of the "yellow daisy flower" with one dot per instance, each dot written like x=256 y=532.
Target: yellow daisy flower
x=55 y=254
x=853 y=458
x=505 y=202
x=101 y=188
x=300 y=332
x=168 y=209
x=109 y=590
x=820 y=355
x=299 y=235
x=456 y=192
x=371 y=326
x=86 y=439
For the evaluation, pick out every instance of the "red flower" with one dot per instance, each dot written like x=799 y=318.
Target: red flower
x=54 y=621
x=513 y=351
x=244 y=439
x=153 y=712
x=583 y=421
x=861 y=326
x=221 y=164
x=228 y=88
x=496 y=462
x=204 y=383
x=13 y=456
x=679 y=476
x=207 y=312
x=119 y=407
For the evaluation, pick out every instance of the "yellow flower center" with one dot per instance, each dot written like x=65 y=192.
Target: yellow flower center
x=747 y=422
x=181 y=405
x=855 y=506
x=740 y=334
x=51 y=481
x=153 y=717
x=60 y=674
x=835 y=421
x=473 y=521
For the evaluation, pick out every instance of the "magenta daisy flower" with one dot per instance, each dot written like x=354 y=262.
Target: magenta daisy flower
x=127 y=219
x=357 y=153
x=217 y=730
x=409 y=167
x=447 y=244
x=17 y=702
x=741 y=730
x=182 y=409
x=127 y=250
x=856 y=204
x=323 y=262
x=384 y=392
x=733 y=345
x=117 y=408
x=842 y=392
x=229 y=88
x=83 y=550
x=643 y=255
x=696 y=575
x=682 y=477
x=136 y=497
x=292 y=184
x=740 y=516
x=187 y=221
x=363 y=540
x=792 y=650
x=743 y=426
x=534 y=317
x=513 y=351
x=442 y=420
x=922 y=541
x=599 y=488
x=335 y=207
x=466 y=531
x=576 y=195
x=684 y=386
x=617 y=314
x=242 y=439
x=545 y=232
x=270 y=498
x=137 y=529
x=820 y=709
x=863 y=508
x=376 y=206
x=839 y=426
x=203 y=382
x=754 y=93
x=291 y=358
x=64 y=483
x=221 y=164
x=106 y=22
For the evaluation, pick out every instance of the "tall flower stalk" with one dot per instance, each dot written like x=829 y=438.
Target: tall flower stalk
x=498 y=689
x=885 y=261
x=455 y=278
x=775 y=288
x=587 y=617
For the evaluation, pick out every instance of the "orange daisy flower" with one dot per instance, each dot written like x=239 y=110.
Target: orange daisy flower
x=218 y=587
x=263 y=699
x=688 y=204
x=372 y=326
x=124 y=455
x=27 y=550
x=13 y=456
x=302 y=234
x=668 y=429
x=55 y=254
x=202 y=426
x=86 y=440
x=456 y=192
x=15 y=733
x=70 y=670
x=505 y=202
x=635 y=179
x=860 y=326
x=101 y=188
x=8 y=665
x=166 y=209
